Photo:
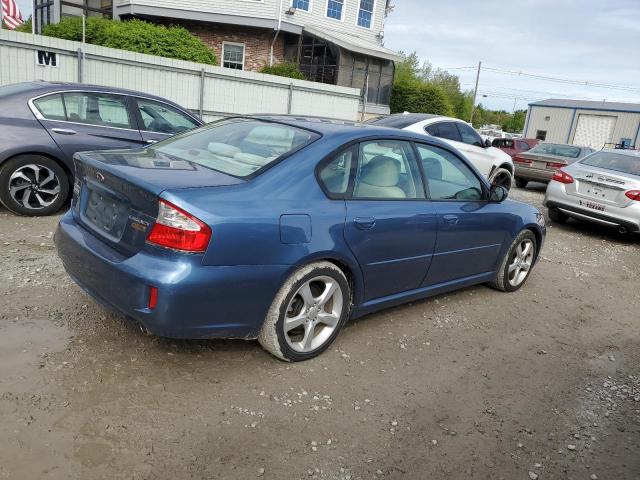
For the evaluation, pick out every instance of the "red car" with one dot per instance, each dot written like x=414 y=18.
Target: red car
x=513 y=146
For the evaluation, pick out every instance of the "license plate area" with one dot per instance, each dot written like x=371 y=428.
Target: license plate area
x=105 y=213
x=592 y=205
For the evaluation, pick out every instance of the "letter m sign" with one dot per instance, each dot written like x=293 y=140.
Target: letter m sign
x=46 y=59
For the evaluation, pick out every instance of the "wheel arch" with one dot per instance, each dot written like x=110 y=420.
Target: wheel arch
x=507 y=166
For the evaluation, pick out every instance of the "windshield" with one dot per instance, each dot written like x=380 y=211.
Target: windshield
x=554 y=149
x=629 y=164
x=238 y=146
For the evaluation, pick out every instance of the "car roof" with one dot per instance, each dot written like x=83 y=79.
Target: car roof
x=348 y=130
x=31 y=89
x=403 y=120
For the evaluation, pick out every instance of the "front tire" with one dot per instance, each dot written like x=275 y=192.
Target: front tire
x=517 y=263
x=307 y=313
x=502 y=177
x=33 y=185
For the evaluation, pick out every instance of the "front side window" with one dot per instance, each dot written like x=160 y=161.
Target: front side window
x=448 y=177
x=238 y=147
x=51 y=107
x=523 y=146
x=335 y=174
x=541 y=135
x=233 y=55
x=387 y=170
x=161 y=118
x=365 y=13
x=301 y=4
x=99 y=109
x=469 y=135
x=334 y=9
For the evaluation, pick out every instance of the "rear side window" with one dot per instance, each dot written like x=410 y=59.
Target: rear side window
x=97 y=109
x=524 y=146
x=51 y=107
x=446 y=130
x=238 y=146
x=387 y=170
x=162 y=118
x=335 y=174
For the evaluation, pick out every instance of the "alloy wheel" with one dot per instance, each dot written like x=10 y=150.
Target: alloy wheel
x=34 y=186
x=521 y=262
x=313 y=314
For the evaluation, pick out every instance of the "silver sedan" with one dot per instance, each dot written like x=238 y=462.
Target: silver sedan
x=602 y=188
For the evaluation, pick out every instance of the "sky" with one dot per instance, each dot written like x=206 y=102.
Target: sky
x=587 y=40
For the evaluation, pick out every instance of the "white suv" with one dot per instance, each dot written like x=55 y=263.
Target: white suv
x=492 y=162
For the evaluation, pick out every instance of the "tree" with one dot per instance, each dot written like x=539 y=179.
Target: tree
x=136 y=36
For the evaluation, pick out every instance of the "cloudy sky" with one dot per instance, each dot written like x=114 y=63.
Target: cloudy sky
x=590 y=40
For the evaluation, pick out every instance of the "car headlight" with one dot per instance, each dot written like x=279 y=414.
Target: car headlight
x=540 y=219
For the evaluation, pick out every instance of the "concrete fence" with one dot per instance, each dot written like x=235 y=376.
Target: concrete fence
x=206 y=90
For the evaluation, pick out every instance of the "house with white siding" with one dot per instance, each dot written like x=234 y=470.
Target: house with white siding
x=337 y=42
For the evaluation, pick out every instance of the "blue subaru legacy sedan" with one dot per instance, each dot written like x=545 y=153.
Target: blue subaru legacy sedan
x=282 y=228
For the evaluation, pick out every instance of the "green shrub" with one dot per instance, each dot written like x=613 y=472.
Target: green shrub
x=285 y=69
x=136 y=36
x=420 y=98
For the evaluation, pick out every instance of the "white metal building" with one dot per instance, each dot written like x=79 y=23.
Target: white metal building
x=585 y=123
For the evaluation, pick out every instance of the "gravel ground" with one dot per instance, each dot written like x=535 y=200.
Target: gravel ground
x=543 y=383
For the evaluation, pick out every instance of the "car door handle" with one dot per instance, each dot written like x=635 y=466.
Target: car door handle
x=365 y=223
x=63 y=131
x=151 y=141
x=450 y=219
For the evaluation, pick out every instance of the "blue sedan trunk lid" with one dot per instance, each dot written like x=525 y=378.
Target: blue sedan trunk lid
x=115 y=194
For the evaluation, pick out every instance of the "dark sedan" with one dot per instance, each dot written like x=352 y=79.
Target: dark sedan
x=44 y=124
x=541 y=162
x=283 y=228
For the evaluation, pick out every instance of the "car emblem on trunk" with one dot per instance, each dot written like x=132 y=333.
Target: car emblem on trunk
x=589 y=175
x=100 y=177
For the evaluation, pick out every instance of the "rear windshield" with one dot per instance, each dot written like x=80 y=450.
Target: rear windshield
x=238 y=146
x=559 y=150
x=628 y=164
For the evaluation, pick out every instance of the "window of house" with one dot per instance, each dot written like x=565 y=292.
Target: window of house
x=43 y=14
x=90 y=8
x=541 y=135
x=301 y=5
x=233 y=55
x=334 y=9
x=365 y=13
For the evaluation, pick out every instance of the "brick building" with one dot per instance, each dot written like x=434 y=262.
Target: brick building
x=333 y=41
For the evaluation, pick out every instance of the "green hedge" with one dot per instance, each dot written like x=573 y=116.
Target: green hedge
x=284 y=69
x=420 y=98
x=136 y=36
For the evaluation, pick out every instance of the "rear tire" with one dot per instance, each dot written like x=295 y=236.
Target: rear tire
x=557 y=216
x=521 y=182
x=33 y=185
x=517 y=264
x=307 y=313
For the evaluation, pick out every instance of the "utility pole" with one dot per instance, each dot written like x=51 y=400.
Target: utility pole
x=514 y=105
x=475 y=92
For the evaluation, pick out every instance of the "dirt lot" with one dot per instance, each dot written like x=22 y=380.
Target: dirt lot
x=543 y=383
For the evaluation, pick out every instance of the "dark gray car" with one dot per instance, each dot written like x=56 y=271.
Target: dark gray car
x=43 y=124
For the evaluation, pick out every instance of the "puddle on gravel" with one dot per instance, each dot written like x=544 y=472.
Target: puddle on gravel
x=23 y=348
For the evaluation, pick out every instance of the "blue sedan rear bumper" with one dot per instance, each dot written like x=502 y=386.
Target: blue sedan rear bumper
x=194 y=300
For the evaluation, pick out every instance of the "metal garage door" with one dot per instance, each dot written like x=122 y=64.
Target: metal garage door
x=594 y=130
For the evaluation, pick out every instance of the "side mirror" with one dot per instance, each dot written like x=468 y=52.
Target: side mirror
x=487 y=143
x=498 y=194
